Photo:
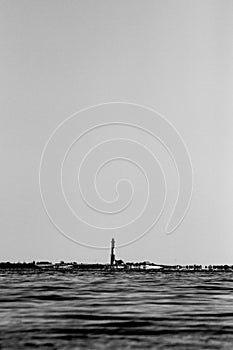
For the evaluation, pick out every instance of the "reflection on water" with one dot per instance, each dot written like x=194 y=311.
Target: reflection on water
x=116 y=310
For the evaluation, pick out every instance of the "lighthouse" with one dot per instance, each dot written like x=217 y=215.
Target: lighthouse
x=112 y=256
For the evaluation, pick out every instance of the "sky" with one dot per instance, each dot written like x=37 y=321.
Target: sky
x=60 y=57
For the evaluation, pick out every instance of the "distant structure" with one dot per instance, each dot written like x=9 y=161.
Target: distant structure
x=112 y=256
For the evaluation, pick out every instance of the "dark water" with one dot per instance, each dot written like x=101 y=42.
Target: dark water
x=116 y=310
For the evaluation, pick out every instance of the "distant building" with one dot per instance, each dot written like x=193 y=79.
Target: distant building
x=112 y=256
x=44 y=264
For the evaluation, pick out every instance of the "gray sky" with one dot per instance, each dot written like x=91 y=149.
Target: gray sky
x=58 y=57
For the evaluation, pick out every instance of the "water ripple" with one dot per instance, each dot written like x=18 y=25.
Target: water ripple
x=116 y=310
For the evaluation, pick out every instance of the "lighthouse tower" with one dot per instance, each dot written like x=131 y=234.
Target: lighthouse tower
x=112 y=256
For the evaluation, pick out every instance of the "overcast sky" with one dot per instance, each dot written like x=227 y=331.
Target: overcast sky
x=58 y=57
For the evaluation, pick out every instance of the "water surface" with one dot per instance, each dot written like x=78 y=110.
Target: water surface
x=116 y=310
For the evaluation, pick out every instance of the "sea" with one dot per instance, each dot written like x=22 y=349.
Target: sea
x=116 y=310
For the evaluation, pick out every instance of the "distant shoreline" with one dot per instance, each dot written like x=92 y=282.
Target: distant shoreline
x=121 y=266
